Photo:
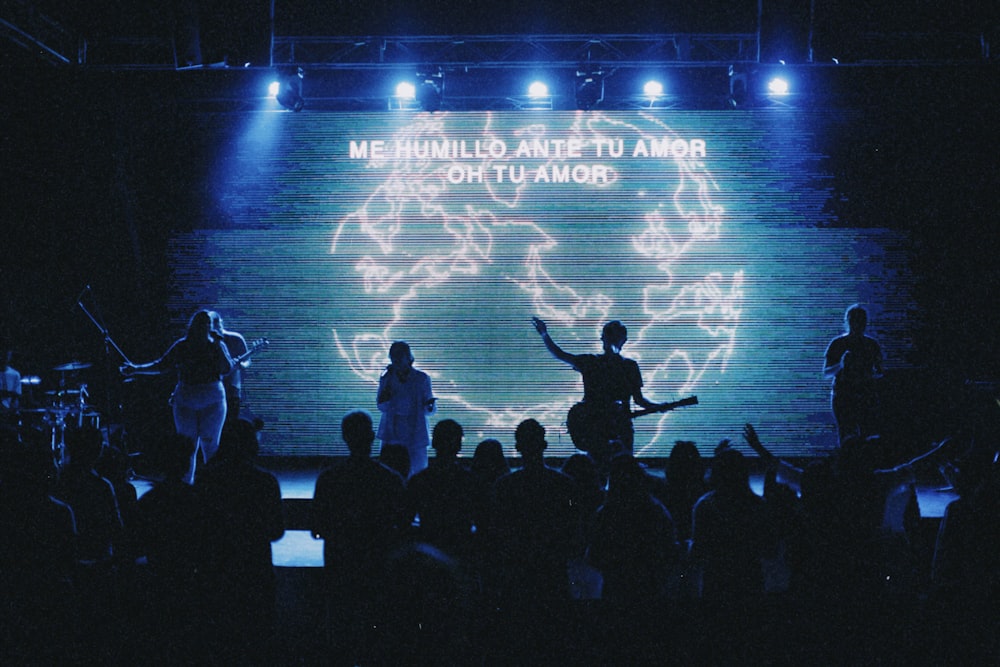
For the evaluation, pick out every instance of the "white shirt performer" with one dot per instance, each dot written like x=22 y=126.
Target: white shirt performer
x=405 y=399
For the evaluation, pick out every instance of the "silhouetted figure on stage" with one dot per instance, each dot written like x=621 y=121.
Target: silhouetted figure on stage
x=443 y=495
x=602 y=423
x=236 y=345
x=405 y=398
x=853 y=361
x=357 y=511
x=243 y=513
x=634 y=543
x=200 y=360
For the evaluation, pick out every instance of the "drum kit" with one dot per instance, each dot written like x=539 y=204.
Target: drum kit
x=54 y=411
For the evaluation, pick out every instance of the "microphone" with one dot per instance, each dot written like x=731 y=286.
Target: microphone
x=86 y=288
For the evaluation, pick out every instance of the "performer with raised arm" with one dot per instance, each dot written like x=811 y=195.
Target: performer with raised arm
x=601 y=424
x=853 y=361
x=200 y=360
x=405 y=398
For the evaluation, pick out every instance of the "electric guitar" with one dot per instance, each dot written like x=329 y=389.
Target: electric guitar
x=590 y=425
x=253 y=347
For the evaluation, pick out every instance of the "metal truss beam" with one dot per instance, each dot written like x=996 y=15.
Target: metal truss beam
x=515 y=51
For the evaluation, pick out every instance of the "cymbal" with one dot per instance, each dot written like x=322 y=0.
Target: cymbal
x=73 y=366
x=63 y=392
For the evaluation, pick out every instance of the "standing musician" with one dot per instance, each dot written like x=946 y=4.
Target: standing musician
x=200 y=360
x=853 y=360
x=236 y=345
x=405 y=399
x=602 y=423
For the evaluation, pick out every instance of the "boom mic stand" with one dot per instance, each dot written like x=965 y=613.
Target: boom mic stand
x=109 y=344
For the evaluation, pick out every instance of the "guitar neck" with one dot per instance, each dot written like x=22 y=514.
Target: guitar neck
x=690 y=400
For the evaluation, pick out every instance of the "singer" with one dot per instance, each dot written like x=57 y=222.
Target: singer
x=200 y=360
x=405 y=399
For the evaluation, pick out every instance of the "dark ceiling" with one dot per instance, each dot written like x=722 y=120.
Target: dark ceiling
x=240 y=31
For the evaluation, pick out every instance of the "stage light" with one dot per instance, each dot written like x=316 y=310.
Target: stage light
x=406 y=91
x=289 y=93
x=739 y=86
x=430 y=88
x=589 y=88
x=653 y=89
x=538 y=90
x=777 y=86
x=272 y=90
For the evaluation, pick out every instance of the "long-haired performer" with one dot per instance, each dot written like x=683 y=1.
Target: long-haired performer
x=200 y=360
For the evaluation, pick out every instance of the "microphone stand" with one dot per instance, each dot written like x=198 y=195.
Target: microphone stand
x=109 y=344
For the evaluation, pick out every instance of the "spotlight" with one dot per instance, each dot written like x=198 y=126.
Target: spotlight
x=272 y=90
x=289 y=93
x=739 y=86
x=538 y=97
x=777 y=86
x=430 y=88
x=589 y=88
x=406 y=91
x=653 y=90
x=538 y=90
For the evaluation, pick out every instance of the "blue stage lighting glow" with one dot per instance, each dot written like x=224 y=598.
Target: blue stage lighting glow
x=653 y=89
x=273 y=88
x=538 y=89
x=777 y=86
x=406 y=90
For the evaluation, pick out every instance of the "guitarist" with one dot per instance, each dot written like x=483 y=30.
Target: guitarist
x=602 y=423
x=236 y=345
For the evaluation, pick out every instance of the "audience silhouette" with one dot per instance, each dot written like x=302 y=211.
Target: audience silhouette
x=634 y=543
x=440 y=495
x=358 y=512
x=38 y=559
x=484 y=565
x=243 y=515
